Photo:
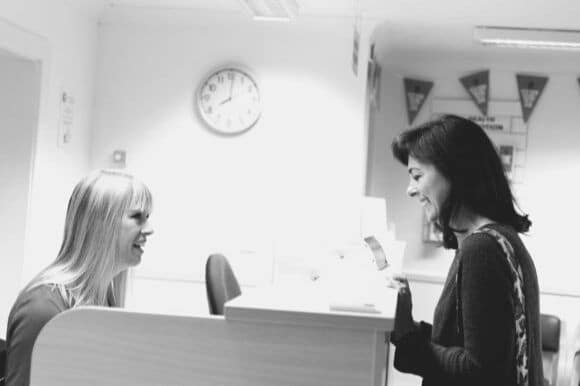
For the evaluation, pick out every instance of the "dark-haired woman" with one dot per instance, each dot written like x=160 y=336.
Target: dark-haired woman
x=486 y=323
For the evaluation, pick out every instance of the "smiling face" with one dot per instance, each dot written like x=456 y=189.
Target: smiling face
x=135 y=228
x=429 y=186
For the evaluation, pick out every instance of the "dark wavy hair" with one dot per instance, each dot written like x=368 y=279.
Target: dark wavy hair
x=464 y=154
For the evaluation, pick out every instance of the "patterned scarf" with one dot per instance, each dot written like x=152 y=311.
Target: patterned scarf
x=519 y=301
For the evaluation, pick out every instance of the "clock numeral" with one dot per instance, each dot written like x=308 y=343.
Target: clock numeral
x=229 y=123
x=206 y=97
x=250 y=88
x=209 y=110
x=220 y=78
x=231 y=76
x=211 y=87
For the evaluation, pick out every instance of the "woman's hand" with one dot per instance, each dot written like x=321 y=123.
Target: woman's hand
x=404 y=316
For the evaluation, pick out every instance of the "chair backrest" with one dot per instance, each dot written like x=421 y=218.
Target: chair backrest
x=575 y=376
x=551 y=327
x=2 y=360
x=220 y=283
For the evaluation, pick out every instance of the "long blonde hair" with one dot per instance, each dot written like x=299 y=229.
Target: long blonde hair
x=89 y=253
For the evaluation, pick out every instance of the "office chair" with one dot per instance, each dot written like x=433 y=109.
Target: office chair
x=575 y=381
x=220 y=283
x=550 y=326
x=2 y=361
x=575 y=354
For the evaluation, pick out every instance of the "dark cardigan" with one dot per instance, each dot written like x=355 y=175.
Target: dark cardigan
x=484 y=353
x=32 y=310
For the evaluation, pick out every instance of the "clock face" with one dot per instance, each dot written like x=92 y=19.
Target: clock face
x=229 y=101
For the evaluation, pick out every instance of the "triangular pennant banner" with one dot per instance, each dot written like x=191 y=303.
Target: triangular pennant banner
x=416 y=92
x=530 y=88
x=477 y=86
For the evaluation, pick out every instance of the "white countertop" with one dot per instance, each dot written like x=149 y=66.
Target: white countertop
x=311 y=304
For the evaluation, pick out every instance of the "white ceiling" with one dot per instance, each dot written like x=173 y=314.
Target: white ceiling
x=445 y=23
x=522 y=13
x=307 y=7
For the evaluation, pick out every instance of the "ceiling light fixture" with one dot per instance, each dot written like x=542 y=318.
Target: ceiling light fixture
x=276 y=10
x=541 y=38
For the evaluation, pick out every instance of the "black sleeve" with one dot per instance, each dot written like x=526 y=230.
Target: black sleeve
x=23 y=329
x=405 y=354
x=487 y=319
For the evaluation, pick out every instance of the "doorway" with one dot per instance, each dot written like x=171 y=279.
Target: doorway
x=20 y=85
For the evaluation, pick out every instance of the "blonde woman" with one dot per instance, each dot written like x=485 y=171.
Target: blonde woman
x=105 y=233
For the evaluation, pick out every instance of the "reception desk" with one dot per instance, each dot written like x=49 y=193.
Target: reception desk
x=267 y=337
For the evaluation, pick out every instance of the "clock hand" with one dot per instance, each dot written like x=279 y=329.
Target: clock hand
x=225 y=100
x=231 y=87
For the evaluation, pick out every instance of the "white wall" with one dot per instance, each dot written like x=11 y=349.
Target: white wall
x=287 y=188
x=64 y=44
x=19 y=96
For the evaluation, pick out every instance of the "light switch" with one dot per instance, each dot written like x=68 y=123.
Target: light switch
x=119 y=158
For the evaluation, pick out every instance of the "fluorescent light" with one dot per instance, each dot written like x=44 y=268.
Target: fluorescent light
x=555 y=39
x=271 y=18
x=273 y=10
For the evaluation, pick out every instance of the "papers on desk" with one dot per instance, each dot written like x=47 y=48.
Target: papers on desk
x=366 y=308
x=356 y=288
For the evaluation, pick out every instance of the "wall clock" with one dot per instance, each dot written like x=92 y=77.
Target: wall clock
x=229 y=101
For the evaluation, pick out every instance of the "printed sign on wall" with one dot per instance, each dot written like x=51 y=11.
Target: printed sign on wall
x=491 y=123
x=477 y=86
x=416 y=92
x=67 y=113
x=355 y=46
x=374 y=80
x=530 y=89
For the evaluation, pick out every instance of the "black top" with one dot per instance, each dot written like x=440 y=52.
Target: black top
x=483 y=353
x=31 y=311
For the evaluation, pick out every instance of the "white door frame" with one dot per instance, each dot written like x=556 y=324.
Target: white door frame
x=36 y=48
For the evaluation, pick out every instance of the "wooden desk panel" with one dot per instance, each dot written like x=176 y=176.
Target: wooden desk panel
x=101 y=346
